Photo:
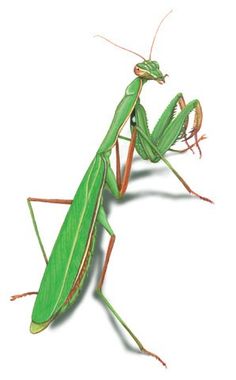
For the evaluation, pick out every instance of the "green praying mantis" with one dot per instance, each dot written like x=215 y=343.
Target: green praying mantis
x=71 y=255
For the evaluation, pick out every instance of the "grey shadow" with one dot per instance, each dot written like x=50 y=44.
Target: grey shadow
x=161 y=194
x=167 y=154
x=137 y=174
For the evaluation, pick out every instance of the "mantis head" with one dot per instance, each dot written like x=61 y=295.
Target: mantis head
x=150 y=70
x=147 y=69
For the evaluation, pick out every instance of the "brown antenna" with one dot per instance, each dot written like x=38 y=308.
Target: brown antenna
x=154 y=38
x=121 y=47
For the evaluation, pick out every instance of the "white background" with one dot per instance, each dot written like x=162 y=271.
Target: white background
x=172 y=273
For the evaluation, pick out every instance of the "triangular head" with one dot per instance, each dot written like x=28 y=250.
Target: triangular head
x=150 y=70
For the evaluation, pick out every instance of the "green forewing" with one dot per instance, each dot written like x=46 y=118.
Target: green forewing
x=78 y=288
x=71 y=244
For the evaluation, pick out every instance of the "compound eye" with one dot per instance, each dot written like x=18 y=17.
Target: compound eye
x=137 y=70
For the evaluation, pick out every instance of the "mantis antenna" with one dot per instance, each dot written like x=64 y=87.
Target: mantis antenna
x=131 y=51
x=121 y=47
x=154 y=38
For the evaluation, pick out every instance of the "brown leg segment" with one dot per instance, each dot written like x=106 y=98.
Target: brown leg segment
x=16 y=296
x=123 y=184
x=118 y=171
x=182 y=105
x=197 y=123
x=203 y=137
x=45 y=200
x=107 y=258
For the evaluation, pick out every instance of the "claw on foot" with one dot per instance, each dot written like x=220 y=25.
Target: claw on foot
x=201 y=197
x=16 y=296
x=155 y=356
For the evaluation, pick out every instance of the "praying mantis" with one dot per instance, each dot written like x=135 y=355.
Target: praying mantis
x=70 y=259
